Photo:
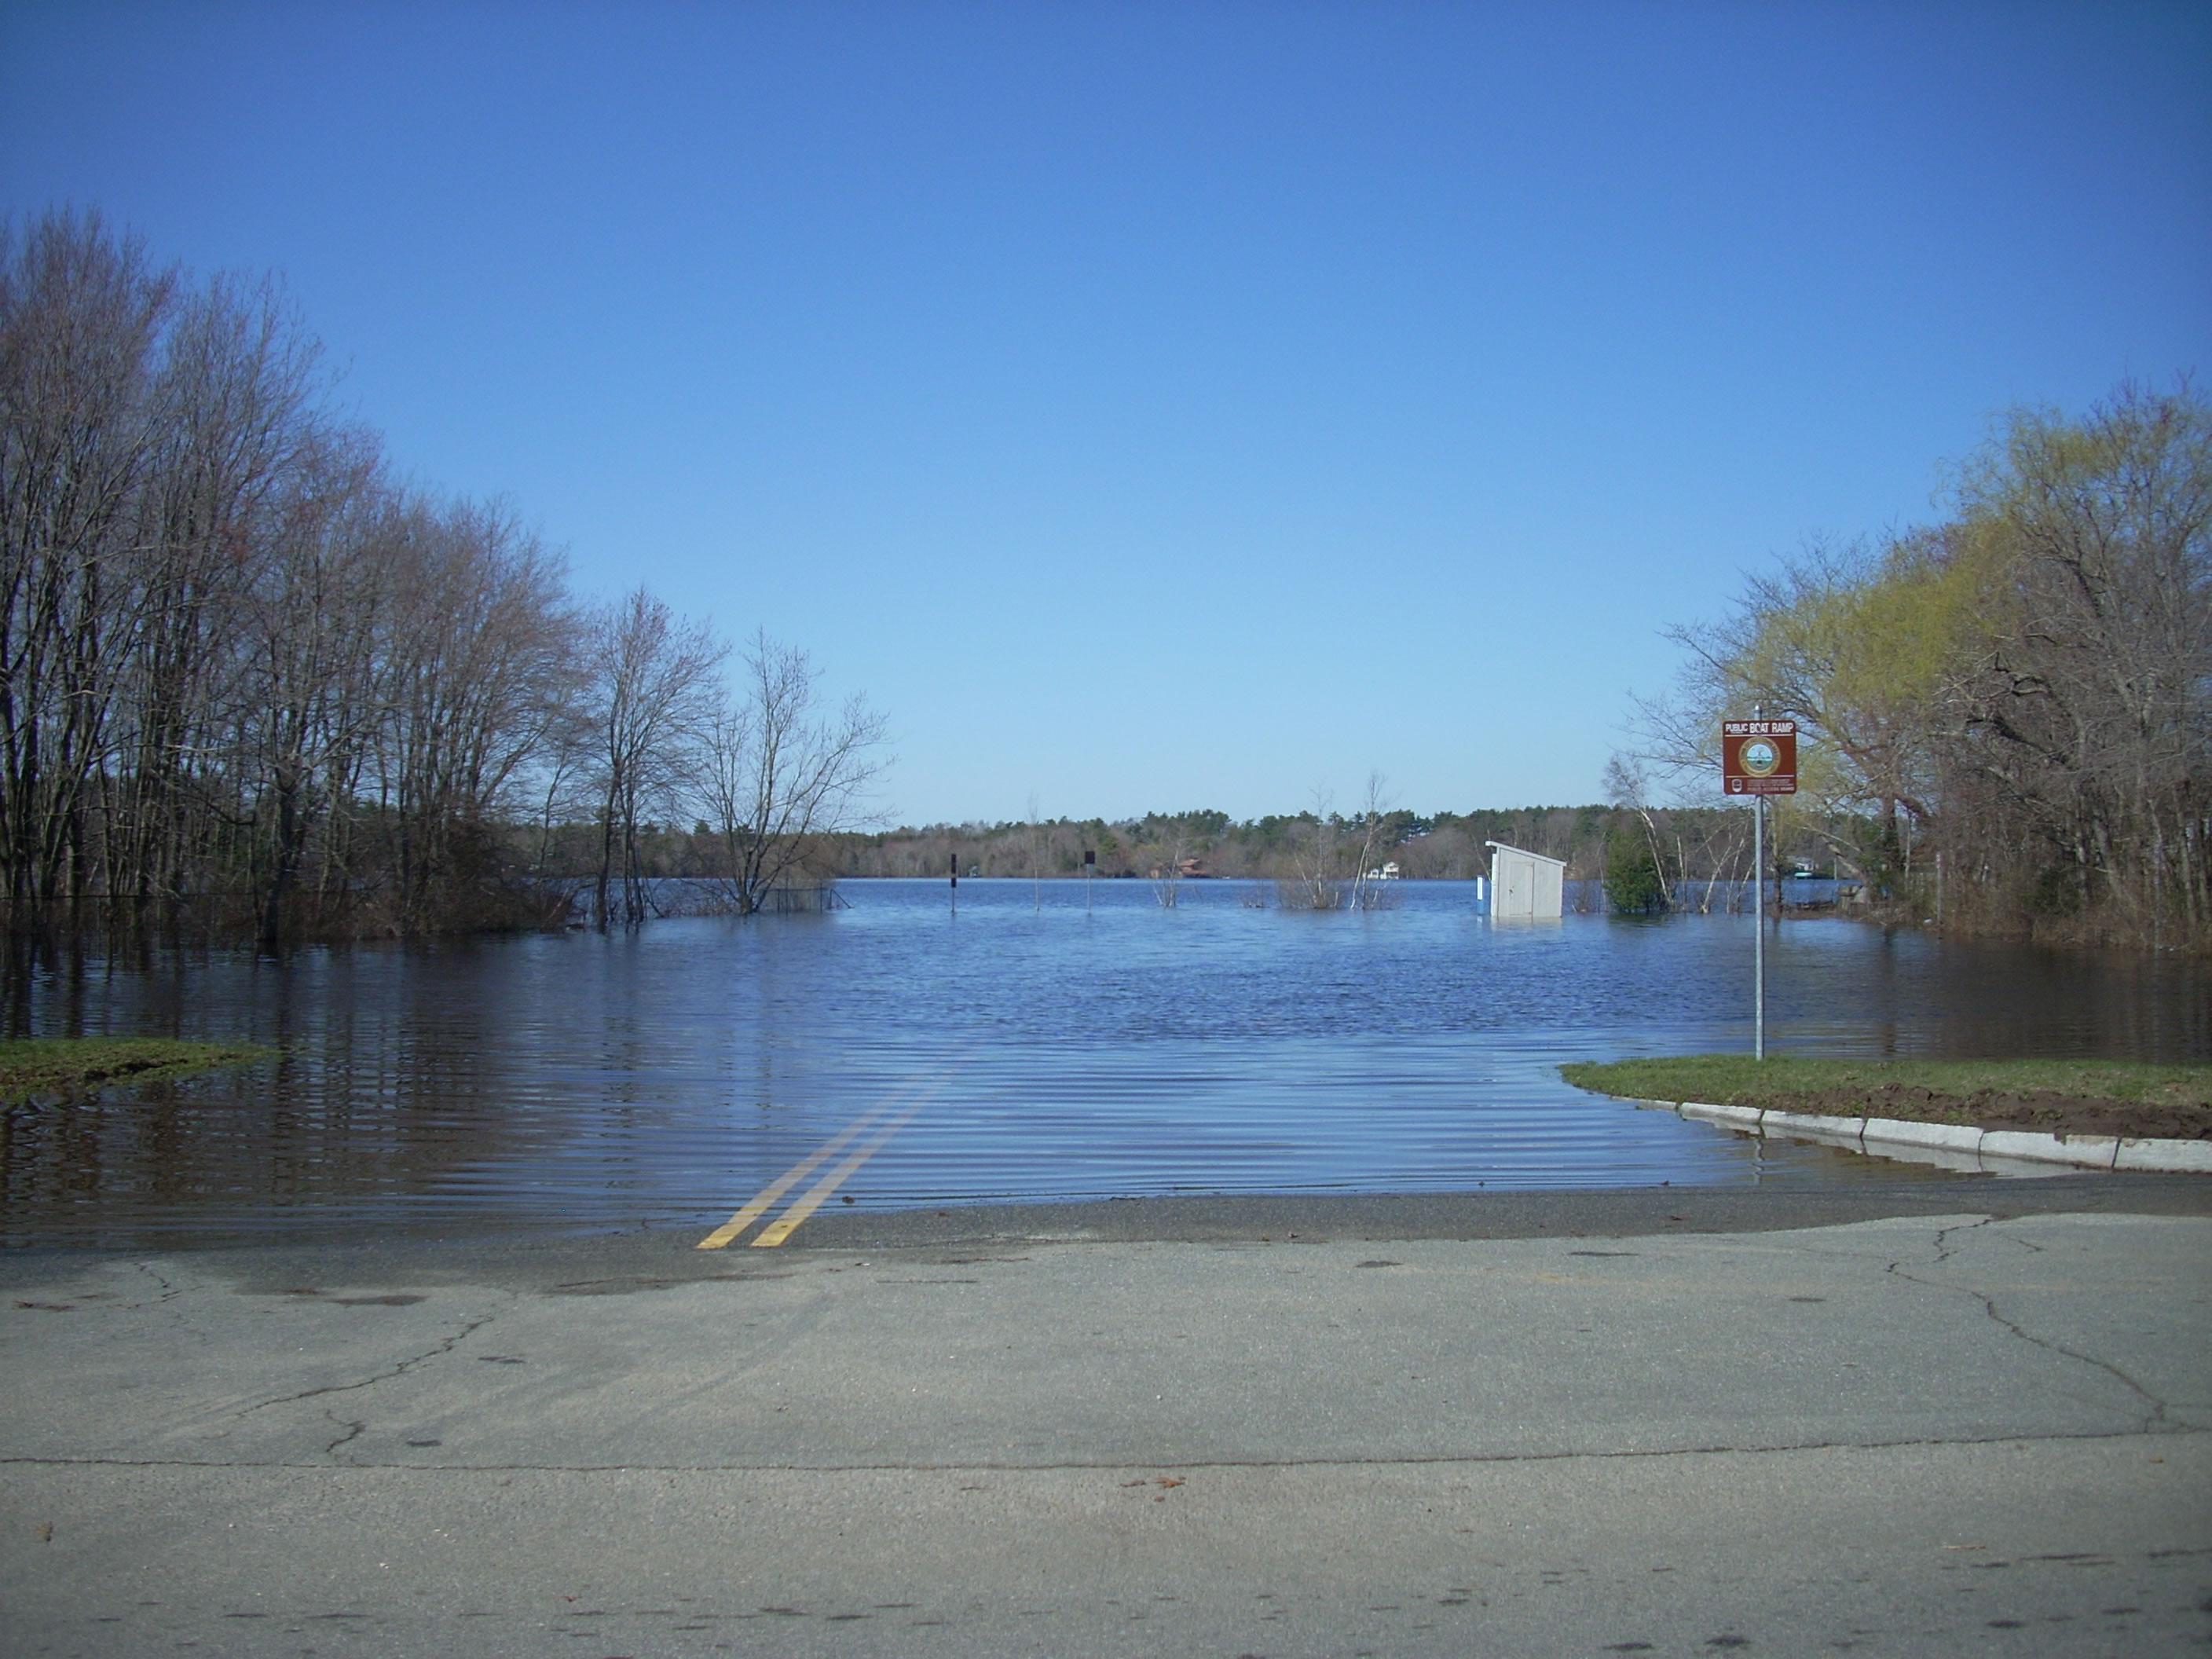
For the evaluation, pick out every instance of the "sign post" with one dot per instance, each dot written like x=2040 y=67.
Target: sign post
x=1759 y=758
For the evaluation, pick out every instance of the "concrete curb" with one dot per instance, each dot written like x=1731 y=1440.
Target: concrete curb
x=1894 y=1136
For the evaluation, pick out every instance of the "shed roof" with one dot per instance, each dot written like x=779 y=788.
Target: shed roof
x=1524 y=853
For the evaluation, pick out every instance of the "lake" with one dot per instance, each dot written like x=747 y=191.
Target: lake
x=1049 y=1045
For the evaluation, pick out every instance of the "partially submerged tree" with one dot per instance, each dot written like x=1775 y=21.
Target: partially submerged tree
x=780 y=772
x=308 y=697
x=2026 y=688
x=250 y=683
x=1627 y=785
x=482 y=683
x=2081 y=735
x=1311 y=849
x=1371 y=821
x=651 y=702
x=82 y=315
x=1633 y=884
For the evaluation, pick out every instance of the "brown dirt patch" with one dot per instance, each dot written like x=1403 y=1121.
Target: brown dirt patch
x=2039 y=1111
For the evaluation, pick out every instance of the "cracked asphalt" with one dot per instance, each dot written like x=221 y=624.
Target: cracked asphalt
x=1965 y=1418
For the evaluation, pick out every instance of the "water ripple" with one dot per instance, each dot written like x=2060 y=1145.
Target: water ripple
x=660 y=1079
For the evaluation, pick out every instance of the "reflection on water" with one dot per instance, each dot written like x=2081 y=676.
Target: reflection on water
x=659 y=1079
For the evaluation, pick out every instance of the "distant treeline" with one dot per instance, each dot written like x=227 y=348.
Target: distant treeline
x=1306 y=860
x=2007 y=716
x=1701 y=843
x=252 y=682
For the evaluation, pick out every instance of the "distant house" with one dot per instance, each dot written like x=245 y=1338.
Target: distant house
x=1525 y=886
x=1387 y=872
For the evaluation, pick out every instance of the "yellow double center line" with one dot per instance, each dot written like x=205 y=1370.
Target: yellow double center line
x=812 y=1200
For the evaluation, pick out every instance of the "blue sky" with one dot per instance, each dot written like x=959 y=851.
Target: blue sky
x=1155 y=406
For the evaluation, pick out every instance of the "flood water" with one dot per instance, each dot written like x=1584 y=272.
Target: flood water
x=1071 y=1049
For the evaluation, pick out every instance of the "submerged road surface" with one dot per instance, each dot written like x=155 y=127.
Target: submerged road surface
x=1653 y=1422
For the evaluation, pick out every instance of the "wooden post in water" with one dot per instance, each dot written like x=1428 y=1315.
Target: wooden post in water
x=1090 y=863
x=952 y=869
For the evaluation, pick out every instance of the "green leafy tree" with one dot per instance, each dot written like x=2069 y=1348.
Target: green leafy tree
x=2025 y=687
x=1633 y=886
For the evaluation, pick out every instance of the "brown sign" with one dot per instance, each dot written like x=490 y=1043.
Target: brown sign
x=1759 y=758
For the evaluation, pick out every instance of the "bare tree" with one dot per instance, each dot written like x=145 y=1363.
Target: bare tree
x=1171 y=836
x=2076 y=756
x=306 y=630
x=1372 y=818
x=1036 y=838
x=780 y=775
x=245 y=473
x=654 y=686
x=81 y=317
x=479 y=673
x=241 y=669
x=1312 y=884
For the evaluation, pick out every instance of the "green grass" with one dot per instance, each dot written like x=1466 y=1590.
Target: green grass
x=34 y=1067
x=1738 y=1079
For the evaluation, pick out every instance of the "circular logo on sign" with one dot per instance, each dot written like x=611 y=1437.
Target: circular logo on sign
x=1759 y=758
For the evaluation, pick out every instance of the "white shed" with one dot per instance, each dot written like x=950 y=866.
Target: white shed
x=1525 y=886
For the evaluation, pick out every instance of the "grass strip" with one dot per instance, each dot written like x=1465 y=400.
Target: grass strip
x=1740 y=1081
x=31 y=1067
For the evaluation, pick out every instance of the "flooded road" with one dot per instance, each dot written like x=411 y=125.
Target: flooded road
x=1024 y=1048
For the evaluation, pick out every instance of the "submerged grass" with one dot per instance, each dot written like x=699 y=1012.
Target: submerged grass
x=1738 y=1079
x=34 y=1067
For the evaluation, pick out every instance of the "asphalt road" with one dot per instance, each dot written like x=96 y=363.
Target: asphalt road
x=1938 y=1419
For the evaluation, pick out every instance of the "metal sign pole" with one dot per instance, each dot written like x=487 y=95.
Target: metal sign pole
x=1759 y=758
x=1759 y=926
